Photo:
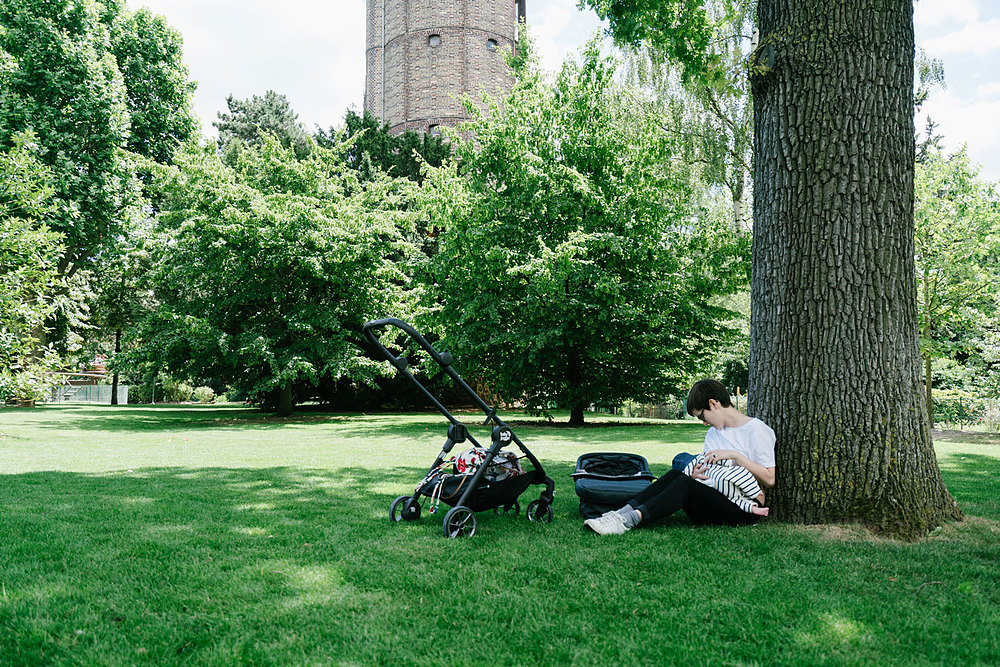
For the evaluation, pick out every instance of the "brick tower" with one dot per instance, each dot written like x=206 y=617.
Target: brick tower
x=423 y=56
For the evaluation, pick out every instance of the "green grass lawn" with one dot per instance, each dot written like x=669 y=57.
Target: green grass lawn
x=217 y=535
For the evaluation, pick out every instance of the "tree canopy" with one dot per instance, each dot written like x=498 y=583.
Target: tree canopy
x=679 y=29
x=957 y=247
x=158 y=89
x=376 y=147
x=28 y=254
x=251 y=118
x=264 y=273
x=64 y=85
x=571 y=268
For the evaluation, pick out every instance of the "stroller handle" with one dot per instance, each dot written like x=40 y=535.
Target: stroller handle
x=443 y=359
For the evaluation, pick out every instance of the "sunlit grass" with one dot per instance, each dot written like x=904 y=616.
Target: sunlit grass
x=211 y=535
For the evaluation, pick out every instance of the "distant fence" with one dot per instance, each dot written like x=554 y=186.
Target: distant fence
x=91 y=393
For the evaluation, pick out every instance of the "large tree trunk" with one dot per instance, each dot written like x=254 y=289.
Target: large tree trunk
x=286 y=399
x=929 y=388
x=834 y=359
x=114 y=377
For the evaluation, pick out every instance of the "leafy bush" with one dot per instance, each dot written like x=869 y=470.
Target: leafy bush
x=954 y=406
x=28 y=382
x=23 y=386
x=991 y=415
x=204 y=395
x=176 y=391
x=671 y=408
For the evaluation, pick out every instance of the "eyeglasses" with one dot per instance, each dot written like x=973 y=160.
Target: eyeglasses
x=701 y=416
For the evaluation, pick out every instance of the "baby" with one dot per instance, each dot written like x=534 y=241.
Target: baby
x=733 y=481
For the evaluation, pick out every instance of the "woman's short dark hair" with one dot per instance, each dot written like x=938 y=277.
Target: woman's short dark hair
x=703 y=391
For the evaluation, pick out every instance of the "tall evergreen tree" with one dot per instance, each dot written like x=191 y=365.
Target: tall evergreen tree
x=249 y=119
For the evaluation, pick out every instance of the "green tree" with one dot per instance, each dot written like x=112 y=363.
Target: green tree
x=712 y=116
x=834 y=358
x=157 y=85
x=96 y=84
x=248 y=120
x=680 y=30
x=957 y=232
x=571 y=269
x=264 y=273
x=65 y=86
x=28 y=255
x=376 y=147
x=119 y=300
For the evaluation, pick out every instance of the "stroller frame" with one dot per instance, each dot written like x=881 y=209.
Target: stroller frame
x=460 y=521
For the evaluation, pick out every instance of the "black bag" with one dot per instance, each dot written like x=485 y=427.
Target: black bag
x=605 y=481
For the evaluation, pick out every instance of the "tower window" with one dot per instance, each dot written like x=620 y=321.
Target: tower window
x=491 y=44
x=434 y=40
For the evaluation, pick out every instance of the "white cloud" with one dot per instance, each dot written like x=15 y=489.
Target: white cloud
x=931 y=13
x=560 y=29
x=298 y=48
x=988 y=90
x=968 y=121
x=980 y=38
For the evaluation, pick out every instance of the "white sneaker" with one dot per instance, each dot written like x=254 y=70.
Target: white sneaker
x=611 y=523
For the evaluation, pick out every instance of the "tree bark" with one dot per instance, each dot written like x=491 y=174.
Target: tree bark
x=928 y=377
x=929 y=387
x=286 y=399
x=834 y=359
x=114 y=378
x=574 y=376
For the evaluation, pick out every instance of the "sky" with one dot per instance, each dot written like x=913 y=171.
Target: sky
x=313 y=52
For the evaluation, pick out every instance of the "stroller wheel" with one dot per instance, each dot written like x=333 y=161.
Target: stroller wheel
x=460 y=522
x=402 y=510
x=510 y=508
x=538 y=512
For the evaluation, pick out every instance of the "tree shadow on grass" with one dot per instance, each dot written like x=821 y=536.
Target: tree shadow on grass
x=378 y=427
x=163 y=563
x=279 y=565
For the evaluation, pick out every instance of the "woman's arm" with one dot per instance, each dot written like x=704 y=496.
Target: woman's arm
x=764 y=475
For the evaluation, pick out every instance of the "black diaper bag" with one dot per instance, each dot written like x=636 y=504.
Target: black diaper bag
x=605 y=481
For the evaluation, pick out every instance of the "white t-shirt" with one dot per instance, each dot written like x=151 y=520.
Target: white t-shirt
x=754 y=440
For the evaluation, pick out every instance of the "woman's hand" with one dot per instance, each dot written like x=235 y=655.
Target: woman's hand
x=717 y=455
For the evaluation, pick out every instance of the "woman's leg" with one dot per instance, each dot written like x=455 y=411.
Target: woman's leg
x=665 y=496
x=656 y=488
x=705 y=505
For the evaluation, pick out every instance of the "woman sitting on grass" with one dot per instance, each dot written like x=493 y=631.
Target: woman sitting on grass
x=746 y=441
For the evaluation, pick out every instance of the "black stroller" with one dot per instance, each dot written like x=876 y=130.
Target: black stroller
x=494 y=480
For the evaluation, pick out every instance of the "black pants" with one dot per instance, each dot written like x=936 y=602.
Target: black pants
x=706 y=506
